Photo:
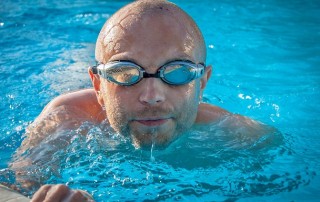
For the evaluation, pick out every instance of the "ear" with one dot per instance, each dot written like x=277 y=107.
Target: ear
x=95 y=79
x=204 y=79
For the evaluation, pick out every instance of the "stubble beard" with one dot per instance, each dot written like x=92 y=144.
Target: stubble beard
x=183 y=119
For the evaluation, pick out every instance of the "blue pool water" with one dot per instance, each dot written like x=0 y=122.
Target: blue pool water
x=266 y=62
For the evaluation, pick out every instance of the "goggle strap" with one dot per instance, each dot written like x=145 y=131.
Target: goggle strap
x=94 y=69
x=199 y=72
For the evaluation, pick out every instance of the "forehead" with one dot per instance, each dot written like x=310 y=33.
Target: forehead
x=156 y=34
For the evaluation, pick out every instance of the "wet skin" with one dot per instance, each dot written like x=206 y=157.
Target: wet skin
x=151 y=34
x=150 y=111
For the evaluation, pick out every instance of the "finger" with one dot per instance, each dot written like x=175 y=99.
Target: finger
x=57 y=193
x=87 y=195
x=78 y=196
x=40 y=195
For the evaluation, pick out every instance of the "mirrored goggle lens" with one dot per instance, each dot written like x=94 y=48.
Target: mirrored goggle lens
x=124 y=75
x=178 y=74
x=175 y=73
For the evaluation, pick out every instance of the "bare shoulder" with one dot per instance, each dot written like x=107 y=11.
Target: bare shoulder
x=223 y=119
x=66 y=111
x=84 y=101
x=208 y=113
x=51 y=129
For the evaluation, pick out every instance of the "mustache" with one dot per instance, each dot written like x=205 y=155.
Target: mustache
x=154 y=112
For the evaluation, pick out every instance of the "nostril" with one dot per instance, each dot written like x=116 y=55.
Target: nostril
x=152 y=92
x=151 y=99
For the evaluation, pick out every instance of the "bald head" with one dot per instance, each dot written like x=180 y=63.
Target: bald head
x=150 y=24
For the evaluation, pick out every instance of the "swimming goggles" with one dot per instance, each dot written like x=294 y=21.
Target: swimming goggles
x=127 y=73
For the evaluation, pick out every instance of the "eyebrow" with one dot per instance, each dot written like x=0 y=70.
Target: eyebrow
x=127 y=59
x=182 y=58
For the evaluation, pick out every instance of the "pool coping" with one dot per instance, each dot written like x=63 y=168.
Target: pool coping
x=9 y=195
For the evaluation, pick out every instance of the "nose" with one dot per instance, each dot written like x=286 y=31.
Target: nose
x=153 y=92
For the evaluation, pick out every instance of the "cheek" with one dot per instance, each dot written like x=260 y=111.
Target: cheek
x=190 y=101
x=114 y=95
x=191 y=94
x=118 y=104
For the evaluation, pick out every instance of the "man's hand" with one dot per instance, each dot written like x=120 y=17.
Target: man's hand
x=60 y=192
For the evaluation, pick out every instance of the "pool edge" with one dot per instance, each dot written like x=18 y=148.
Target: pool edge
x=7 y=194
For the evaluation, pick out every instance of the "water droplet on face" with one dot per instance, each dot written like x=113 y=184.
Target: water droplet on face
x=151 y=152
x=153 y=139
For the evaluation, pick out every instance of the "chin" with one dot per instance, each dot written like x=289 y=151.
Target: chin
x=148 y=141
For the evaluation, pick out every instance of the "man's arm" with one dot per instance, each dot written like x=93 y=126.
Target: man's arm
x=49 y=133
x=45 y=136
x=67 y=111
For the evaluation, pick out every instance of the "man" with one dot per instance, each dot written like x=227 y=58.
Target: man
x=148 y=84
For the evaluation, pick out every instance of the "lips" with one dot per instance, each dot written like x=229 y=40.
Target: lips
x=152 y=122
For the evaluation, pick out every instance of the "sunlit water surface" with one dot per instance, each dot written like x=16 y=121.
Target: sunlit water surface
x=265 y=56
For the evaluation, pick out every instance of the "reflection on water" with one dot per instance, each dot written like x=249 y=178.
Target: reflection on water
x=207 y=163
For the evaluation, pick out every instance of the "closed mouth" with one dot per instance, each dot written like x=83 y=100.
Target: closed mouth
x=153 y=121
